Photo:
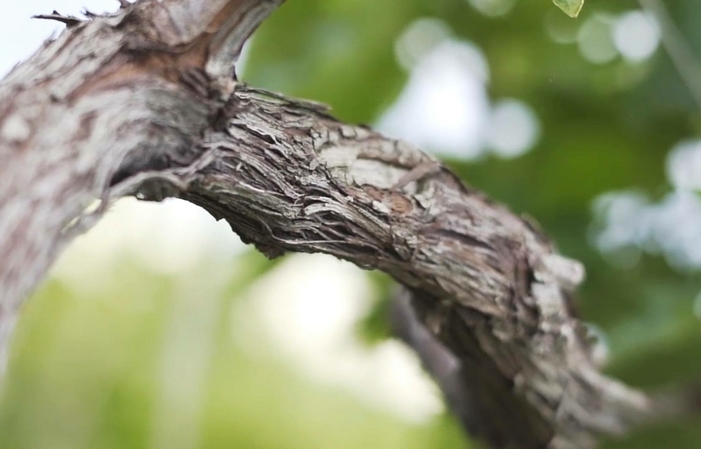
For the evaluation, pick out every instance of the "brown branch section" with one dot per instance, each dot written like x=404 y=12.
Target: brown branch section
x=289 y=178
x=143 y=102
x=482 y=401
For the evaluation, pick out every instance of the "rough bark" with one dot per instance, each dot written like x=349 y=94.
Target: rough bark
x=144 y=102
x=124 y=84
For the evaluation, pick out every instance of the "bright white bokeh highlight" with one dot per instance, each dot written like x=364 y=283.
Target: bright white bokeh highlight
x=513 y=129
x=684 y=165
x=630 y=223
x=444 y=106
x=636 y=35
x=670 y=227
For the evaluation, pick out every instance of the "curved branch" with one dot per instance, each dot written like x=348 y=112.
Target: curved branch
x=471 y=385
x=110 y=92
x=143 y=103
x=288 y=177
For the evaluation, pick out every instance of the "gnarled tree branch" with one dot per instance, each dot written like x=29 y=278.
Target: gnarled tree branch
x=138 y=86
x=144 y=102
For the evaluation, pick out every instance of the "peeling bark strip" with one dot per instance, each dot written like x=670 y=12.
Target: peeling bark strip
x=144 y=102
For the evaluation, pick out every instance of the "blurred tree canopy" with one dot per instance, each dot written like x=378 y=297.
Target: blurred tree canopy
x=607 y=125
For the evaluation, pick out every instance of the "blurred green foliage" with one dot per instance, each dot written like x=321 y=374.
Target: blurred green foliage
x=90 y=361
x=86 y=373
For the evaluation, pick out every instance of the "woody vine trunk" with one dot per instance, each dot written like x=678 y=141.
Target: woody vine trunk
x=145 y=102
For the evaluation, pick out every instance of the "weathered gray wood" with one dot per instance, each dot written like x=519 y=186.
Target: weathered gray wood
x=105 y=88
x=143 y=102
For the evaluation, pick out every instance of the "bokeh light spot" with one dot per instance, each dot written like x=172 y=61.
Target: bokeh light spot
x=684 y=165
x=444 y=106
x=596 y=41
x=514 y=128
x=420 y=37
x=636 y=35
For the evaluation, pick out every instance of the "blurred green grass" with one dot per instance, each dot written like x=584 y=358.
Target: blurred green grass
x=87 y=372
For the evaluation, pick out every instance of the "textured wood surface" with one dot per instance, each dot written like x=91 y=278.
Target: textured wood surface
x=144 y=102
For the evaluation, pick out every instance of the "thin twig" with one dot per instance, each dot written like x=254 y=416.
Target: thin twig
x=69 y=21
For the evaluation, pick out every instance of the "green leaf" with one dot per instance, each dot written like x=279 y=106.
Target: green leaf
x=571 y=7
